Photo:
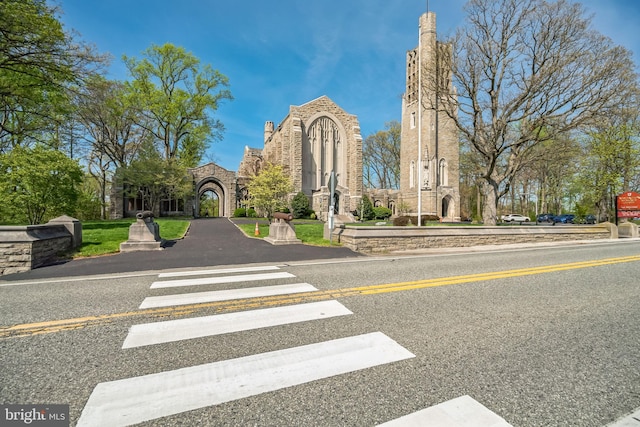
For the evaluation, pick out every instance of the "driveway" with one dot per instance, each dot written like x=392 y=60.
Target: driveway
x=209 y=242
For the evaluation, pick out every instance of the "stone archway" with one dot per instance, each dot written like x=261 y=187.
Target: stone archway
x=211 y=199
x=210 y=183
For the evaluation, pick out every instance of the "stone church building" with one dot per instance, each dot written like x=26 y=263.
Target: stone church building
x=314 y=139
x=319 y=137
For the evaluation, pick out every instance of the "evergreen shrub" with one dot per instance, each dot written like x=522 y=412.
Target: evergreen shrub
x=381 y=212
x=401 y=221
x=300 y=205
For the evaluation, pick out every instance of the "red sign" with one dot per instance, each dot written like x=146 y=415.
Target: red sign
x=628 y=214
x=628 y=201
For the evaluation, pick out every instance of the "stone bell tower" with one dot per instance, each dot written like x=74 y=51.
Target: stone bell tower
x=429 y=152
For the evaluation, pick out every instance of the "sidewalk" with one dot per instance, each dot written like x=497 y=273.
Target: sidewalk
x=209 y=242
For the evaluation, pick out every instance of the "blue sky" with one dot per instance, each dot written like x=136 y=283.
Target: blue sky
x=288 y=52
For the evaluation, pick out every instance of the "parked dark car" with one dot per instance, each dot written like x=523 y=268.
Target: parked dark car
x=564 y=218
x=545 y=217
x=590 y=219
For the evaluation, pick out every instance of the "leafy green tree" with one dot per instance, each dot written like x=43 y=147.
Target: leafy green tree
x=39 y=62
x=37 y=184
x=110 y=121
x=178 y=97
x=89 y=205
x=269 y=190
x=612 y=158
x=526 y=71
x=111 y=129
x=209 y=205
x=154 y=178
x=300 y=205
x=381 y=157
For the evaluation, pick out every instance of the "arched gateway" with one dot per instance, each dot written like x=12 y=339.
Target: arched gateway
x=212 y=182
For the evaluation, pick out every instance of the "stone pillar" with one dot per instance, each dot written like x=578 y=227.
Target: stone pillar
x=281 y=231
x=627 y=229
x=144 y=234
x=73 y=225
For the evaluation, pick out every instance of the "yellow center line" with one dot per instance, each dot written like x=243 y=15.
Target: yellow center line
x=27 y=329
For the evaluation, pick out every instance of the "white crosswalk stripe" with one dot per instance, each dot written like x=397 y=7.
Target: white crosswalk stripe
x=463 y=411
x=217 y=271
x=125 y=402
x=219 y=280
x=225 y=295
x=182 y=329
x=139 y=399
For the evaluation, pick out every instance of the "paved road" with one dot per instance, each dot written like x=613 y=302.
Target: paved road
x=209 y=242
x=537 y=337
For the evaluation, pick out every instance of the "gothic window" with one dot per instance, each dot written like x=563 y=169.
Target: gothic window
x=442 y=176
x=326 y=152
x=413 y=120
x=426 y=178
x=412 y=174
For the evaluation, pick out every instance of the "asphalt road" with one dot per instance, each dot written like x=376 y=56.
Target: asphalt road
x=209 y=242
x=543 y=336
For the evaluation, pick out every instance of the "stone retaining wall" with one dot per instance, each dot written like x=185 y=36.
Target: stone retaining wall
x=628 y=229
x=380 y=240
x=23 y=248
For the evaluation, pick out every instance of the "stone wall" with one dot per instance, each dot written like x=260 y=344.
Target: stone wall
x=23 y=248
x=381 y=240
x=628 y=229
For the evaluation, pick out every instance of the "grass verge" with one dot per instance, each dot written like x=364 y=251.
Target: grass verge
x=311 y=233
x=104 y=237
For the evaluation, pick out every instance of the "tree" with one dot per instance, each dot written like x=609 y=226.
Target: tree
x=112 y=124
x=611 y=161
x=381 y=157
x=367 y=209
x=269 y=189
x=527 y=71
x=300 y=205
x=37 y=184
x=39 y=63
x=154 y=178
x=111 y=129
x=90 y=205
x=178 y=96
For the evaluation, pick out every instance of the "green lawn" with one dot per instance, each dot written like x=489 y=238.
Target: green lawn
x=104 y=237
x=310 y=232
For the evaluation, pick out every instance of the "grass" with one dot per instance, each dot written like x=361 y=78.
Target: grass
x=104 y=237
x=310 y=232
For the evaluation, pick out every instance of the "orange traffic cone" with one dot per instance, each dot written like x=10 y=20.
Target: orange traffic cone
x=257 y=232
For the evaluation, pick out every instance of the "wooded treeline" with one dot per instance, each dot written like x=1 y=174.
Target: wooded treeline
x=547 y=110
x=67 y=132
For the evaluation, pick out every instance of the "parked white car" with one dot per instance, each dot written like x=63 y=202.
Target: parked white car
x=515 y=218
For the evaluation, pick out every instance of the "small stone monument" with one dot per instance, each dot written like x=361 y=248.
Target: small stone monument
x=144 y=234
x=281 y=231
